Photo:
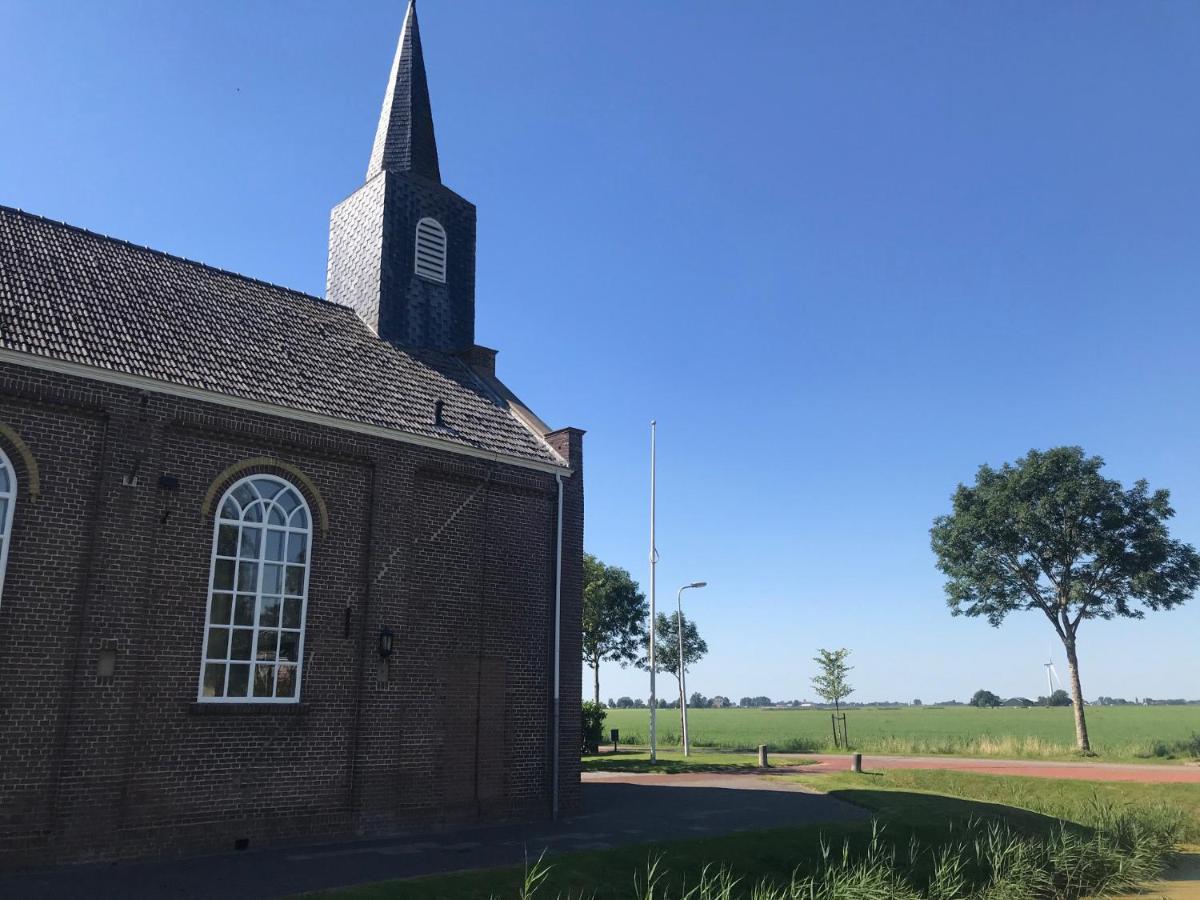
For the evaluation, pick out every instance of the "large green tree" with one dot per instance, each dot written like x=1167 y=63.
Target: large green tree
x=985 y=700
x=1050 y=534
x=614 y=610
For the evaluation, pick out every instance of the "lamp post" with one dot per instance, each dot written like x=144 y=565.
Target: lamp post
x=682 y=667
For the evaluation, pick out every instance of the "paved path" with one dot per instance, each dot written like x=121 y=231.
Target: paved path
x=1147 y=774
x=618 y=810
x=1180 y=882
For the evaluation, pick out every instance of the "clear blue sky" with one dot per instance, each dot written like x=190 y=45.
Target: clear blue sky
x=843 y=253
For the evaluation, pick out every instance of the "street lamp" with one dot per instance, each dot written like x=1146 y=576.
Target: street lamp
x=682 y=667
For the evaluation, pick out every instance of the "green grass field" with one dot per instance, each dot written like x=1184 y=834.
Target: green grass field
x=1128 y=732
x=929 y=808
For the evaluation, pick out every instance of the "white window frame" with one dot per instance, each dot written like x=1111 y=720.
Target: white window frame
x=430 y=253
x=256 y=627
x=6 y=520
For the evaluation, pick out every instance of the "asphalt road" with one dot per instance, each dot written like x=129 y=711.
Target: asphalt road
x=617 y=810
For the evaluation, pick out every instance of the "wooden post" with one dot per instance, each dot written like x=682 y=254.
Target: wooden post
x=762 y=756
x=856 y=763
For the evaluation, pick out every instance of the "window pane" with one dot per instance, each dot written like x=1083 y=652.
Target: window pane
x=218 y=643
x=297 y=549
x=289 y=501
x=272 y=582
x=3 y=513
x=239 y=680
x=291 y=612
x=289 y=646
x=247 y=576
x=5 y=484
x=249 y=546
x=230 y=510
x=268 y=612
x=222 y=605
x=277 y=516
x=267 y=489
x=264 y=681
x=240 y=647
x=254 y=513
x=223 y=575
x=295 y=580
x=286 y=686
x=214 y=679
x=266 y=645
x=245 y=494
x=299 y=519
x=227 y=536
x=275 y=545
x=243 y=610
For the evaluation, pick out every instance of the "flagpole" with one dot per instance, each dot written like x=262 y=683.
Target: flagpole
x=653 y=561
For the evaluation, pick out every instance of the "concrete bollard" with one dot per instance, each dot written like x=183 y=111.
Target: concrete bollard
x=856 y=763
x=762 y=756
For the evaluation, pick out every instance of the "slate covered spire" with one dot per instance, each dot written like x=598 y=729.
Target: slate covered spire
x=402 y=247
x=404 y=140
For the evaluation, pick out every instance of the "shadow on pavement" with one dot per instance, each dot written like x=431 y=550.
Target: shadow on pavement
x=613 y=814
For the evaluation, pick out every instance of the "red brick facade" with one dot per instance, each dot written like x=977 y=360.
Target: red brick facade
x=454 y=553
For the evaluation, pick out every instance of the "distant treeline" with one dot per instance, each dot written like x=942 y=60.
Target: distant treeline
x=699 y=701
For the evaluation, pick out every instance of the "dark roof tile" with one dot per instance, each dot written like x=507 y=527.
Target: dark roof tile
x=77 y=296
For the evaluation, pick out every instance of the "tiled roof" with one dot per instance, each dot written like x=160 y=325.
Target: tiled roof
x=73 y=295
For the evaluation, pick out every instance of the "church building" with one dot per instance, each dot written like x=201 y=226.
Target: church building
x=276 y=566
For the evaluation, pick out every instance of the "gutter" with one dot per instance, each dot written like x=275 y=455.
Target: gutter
x=141 y=382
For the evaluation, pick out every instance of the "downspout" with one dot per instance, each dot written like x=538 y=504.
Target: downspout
x=557 y=639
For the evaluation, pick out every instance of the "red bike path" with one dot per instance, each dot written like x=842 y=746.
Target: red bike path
x=1166 y=773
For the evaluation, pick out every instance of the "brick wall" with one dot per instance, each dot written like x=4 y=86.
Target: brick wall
x=454 y=554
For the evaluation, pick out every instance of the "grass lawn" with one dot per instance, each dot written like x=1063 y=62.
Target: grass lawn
x=911 y=804
x=1119 y=733
x=672 y=762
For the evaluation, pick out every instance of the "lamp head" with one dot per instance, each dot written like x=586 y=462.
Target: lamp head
x=698 y=584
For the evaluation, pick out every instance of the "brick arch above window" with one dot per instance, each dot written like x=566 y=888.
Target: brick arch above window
x=8 y=503
x=31 y=477
x=267 y=464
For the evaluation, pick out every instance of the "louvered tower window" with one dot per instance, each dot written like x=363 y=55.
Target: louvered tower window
x=431 y=250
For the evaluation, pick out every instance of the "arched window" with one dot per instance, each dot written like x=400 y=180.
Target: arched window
x=8 y=503
x=257 y=594
x=431 y=250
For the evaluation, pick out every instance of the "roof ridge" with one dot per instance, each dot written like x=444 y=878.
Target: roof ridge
x=172 y=256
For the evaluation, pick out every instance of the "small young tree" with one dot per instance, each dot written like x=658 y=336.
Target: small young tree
x=666 y=650
x=1049 y=533
x=830 y=681
x=614 y=609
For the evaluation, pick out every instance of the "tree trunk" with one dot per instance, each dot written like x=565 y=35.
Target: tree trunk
x=596 y=681
x=1081 y=732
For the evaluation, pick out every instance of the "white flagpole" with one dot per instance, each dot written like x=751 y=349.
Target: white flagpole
x=653 y=561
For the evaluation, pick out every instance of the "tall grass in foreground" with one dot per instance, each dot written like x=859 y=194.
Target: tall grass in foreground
x=977 y=861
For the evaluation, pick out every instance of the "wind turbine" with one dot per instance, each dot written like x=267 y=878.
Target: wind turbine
x=1051 y=675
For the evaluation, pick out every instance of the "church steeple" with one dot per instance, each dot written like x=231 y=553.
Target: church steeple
x=404 y=140
x=402 y=247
